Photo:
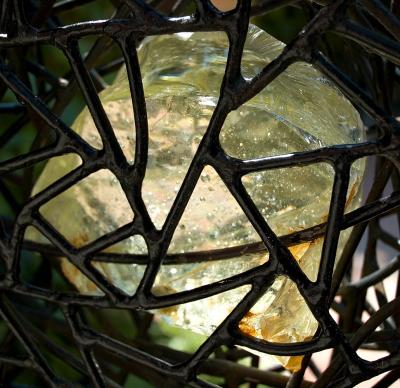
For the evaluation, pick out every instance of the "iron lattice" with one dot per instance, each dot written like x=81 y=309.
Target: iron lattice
x=25 y=26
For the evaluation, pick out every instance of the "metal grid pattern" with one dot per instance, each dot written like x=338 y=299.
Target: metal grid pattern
x=25 y=24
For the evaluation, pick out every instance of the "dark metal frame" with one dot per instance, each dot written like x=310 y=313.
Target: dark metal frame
x=133 y=21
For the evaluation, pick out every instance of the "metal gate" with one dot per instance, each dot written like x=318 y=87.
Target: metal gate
x=369 y=31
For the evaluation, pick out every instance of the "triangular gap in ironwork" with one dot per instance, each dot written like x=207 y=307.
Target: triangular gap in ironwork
x=213 y=240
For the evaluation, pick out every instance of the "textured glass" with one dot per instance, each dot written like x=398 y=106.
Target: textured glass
x=182 y=75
